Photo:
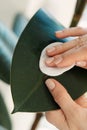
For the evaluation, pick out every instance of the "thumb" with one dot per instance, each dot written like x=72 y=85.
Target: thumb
x=61 y=96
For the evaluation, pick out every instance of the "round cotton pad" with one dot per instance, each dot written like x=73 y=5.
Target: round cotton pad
x=51 y=71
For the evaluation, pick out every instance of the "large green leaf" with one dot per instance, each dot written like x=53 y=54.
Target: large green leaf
x=4 y=116
x=27 y=81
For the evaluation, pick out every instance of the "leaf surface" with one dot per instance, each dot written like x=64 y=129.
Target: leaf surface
x=27 y=81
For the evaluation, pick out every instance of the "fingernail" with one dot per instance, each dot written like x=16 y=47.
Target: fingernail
x=50 y=84
x=58 y=32
x=81 y=63
x=57 y=61
x=49 y=60
x=49 y=50
x=85 y=95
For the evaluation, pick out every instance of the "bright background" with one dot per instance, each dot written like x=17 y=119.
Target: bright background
x=63 y=11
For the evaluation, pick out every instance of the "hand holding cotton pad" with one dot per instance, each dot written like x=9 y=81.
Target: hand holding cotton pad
x=51 y=71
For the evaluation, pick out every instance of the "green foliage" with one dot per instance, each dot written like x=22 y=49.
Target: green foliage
x=5 y=61
x=27 y=81
x=8 y=42
x=5 y=122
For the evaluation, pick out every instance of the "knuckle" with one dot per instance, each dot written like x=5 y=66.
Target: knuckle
x=60 y=46
x=65 y=30
x=80 y=42
x=57 y=57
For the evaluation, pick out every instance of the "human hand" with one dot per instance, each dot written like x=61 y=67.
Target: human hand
x=73 y=114
x=72 y=52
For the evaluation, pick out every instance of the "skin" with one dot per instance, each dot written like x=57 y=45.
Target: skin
x=73 y=114
x=72 y=52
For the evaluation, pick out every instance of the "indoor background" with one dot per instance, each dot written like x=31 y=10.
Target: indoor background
x=63 y=11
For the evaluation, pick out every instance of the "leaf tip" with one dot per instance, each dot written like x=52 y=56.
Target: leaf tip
x=14 y=111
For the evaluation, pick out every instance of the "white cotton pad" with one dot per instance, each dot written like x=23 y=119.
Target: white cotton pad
x=51 y=71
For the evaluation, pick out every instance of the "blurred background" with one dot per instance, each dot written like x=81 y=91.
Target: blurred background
x=14 y=15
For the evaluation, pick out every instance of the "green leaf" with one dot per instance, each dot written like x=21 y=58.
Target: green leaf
x=27 y=81
x=5 y=123
x=2 y=128
x=8 y=42
x=5 y=61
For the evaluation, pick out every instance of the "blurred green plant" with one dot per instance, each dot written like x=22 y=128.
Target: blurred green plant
x=5 y=122
x=8 y=42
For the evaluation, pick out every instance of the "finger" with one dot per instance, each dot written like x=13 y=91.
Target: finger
x=82 y=64
x=53 y=61
x=57 y=118
x=74 y=31
x=71 y=57
x=80 y=41
x=60 y=48
x=61 y=97
x=82 y=100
